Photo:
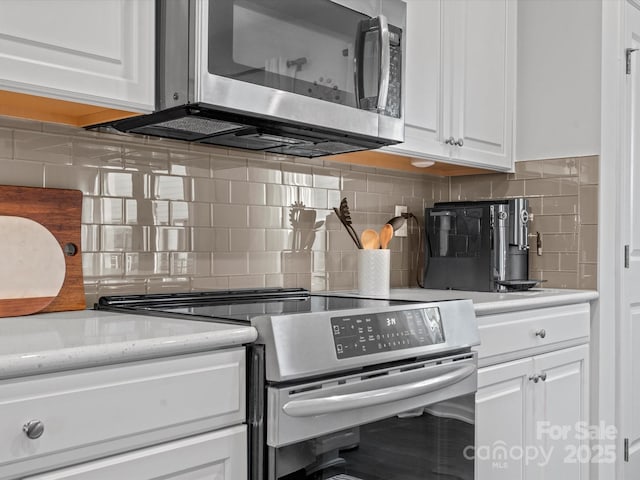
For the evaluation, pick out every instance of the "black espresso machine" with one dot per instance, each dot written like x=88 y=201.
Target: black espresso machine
x=479 y=246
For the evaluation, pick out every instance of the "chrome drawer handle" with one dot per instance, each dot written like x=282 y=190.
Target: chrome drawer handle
x=541 y=333
x=33 y=429
x=459 y=143
x=450 y=141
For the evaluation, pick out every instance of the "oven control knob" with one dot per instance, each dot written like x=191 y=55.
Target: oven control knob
x=33 y=429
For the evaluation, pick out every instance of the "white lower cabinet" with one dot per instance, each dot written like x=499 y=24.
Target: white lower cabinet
x=532 y=413
x=178 y=417
x=220 y=455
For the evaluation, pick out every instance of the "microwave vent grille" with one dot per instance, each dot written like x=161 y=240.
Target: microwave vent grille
x=204 y=126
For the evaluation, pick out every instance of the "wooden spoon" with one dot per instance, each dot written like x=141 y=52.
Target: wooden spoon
x=370 y=239
x=386 y=233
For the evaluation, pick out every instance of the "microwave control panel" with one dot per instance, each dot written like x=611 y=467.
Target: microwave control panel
x=367 y=334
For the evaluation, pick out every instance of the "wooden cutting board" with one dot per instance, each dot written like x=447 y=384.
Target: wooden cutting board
x=46 y=223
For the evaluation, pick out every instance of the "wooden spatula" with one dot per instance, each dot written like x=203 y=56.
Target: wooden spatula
x=370 y=239
x=32 y=269
x=386 y=234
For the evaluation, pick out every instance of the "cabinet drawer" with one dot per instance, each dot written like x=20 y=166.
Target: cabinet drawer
x=101 y=411
x=219 y=455
x=540 y=329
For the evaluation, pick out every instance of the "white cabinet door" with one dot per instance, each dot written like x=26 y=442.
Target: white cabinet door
x=460 y=81
x=531 y=416
x=503 y=408
x=220 y=455
x=561 y=404
x=423 y=81
x=99 y=52
x=482 y=45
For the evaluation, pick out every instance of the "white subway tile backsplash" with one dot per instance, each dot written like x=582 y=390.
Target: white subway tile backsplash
x=91 y=152
x=171 y=188
x=188 y=163
x=247 y=240
x=265 y=217
x=111 y=211
x=281 y=195
x=247 y=281
x=261 y=172
x=21 y=173
x=248 y=193
x=45 y=148
x=87 y=180
x=170 y=238
x=230 y=263
x=117 y=184
x=328 y=178
x=229 y=168
x=6 y=143
x=191 y=264
x=265 y=262
x=163 y=215
x=90 y=235
x=230 y=216
x=300 y=175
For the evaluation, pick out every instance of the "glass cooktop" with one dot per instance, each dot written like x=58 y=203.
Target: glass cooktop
x=240 y=305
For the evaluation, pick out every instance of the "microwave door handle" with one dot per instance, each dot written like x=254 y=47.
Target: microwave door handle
x=358 y=61
x=385 y=63
x=351 y=401
x=381 y=24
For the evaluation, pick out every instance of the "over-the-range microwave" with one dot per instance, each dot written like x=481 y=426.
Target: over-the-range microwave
x=299 y=77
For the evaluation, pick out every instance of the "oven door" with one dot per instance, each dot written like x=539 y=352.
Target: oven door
x=335 y=64
x=414 y=422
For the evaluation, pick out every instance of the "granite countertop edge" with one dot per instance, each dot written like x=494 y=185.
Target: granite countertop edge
x=28 y=360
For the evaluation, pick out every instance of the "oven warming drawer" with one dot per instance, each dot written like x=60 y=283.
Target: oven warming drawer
x=305 y=411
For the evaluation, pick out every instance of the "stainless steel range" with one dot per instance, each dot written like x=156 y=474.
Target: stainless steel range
x=347 y=388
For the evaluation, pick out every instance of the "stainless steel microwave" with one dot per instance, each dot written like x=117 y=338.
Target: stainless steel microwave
x=300 y=77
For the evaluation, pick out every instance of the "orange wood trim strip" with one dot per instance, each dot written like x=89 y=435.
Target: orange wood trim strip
x=391 y=161
x=59 y=111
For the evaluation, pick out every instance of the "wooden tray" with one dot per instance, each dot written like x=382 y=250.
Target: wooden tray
x=59 y=211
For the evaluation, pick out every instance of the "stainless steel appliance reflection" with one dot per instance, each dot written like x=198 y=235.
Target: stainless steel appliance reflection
x=344 y=387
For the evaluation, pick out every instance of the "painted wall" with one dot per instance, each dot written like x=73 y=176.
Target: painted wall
x=558 y=89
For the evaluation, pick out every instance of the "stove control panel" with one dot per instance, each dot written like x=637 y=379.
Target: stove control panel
x=358 y=335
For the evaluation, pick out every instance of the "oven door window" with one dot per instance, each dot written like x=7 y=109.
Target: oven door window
x=304 y=47
x=430 y=443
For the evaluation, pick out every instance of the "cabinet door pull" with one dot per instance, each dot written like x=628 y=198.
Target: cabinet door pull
x=450 y=141
x=459 y=143
x=543 y=376
x=535 y=378
x=541 y=333
x=33 y=429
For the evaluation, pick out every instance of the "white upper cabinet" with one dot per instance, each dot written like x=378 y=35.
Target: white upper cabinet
x=98 y=52
x=460 y=81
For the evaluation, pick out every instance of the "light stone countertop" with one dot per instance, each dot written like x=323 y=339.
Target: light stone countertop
x=488 y=303
x=52 y=342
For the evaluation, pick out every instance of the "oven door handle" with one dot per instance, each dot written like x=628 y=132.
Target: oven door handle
x=337 y=403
